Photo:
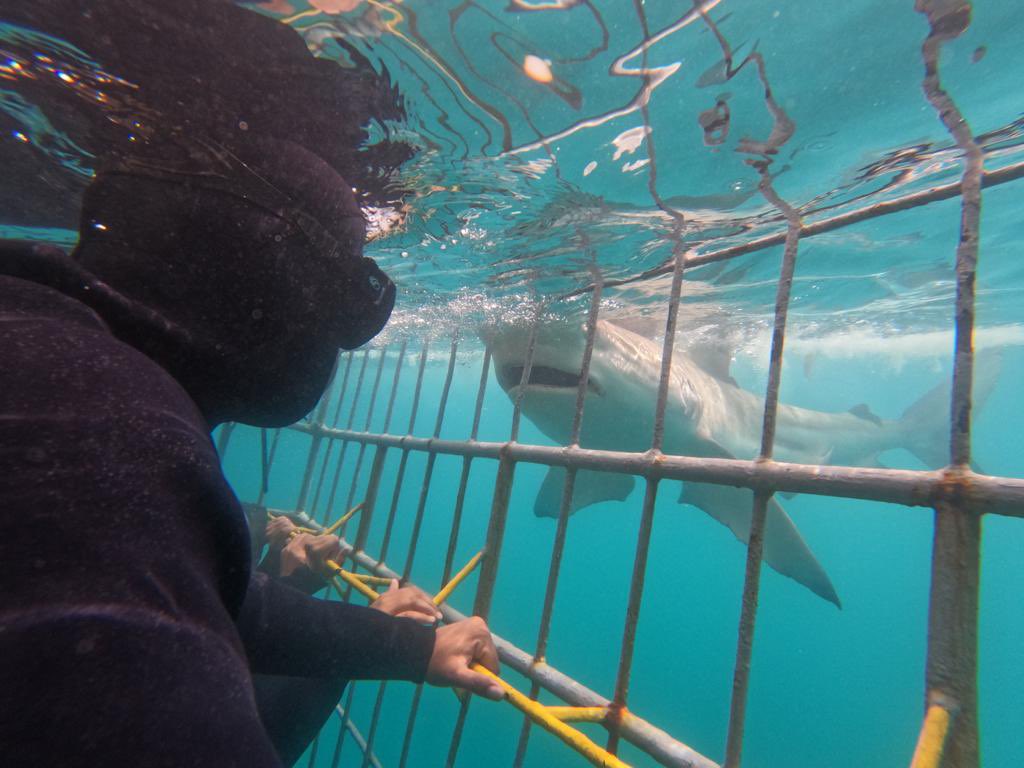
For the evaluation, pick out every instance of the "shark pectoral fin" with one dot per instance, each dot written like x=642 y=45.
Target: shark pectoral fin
x=590 y=488
x=784 y=547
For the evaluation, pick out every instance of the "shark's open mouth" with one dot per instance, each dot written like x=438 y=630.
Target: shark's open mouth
x=542 y=376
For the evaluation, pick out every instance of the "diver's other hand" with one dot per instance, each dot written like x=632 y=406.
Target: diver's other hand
x=310 y=551
x=411 y=602
x=278 y=531
x=457 y=647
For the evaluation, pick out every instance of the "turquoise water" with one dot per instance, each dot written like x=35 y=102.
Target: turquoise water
x=520 y=189
x=828 y=687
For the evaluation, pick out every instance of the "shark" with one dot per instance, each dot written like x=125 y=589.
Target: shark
x=707 y=414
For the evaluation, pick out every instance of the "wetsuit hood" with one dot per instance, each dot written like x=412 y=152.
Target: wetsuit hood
x=241 y=277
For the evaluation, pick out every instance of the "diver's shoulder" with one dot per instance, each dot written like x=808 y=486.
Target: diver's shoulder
x=62 y=360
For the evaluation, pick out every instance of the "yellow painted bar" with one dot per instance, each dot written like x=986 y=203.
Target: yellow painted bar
x=458 y=578
x=928 y=753
x=539 y=714
x=578 y=714
x=368 y=579
x=343 y=519
x=351 y=580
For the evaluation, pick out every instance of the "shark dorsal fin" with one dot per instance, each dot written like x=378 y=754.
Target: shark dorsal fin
x=715 y=359
x=862 y=411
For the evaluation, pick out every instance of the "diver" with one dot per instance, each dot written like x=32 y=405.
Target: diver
x=130 y=623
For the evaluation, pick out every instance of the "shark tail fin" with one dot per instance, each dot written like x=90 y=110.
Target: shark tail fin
x=925 y=424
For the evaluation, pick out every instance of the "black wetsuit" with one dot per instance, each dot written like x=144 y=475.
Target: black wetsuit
x=129 y=619
x=218 y=270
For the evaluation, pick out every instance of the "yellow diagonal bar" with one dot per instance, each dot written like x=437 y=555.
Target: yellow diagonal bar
x=368 y=579
x=458 y=578
x=928 y=753
x=578 y=714
x=351 y=580
x=539 y=714
x=343 y=519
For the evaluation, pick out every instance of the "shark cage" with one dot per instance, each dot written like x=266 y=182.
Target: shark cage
x=958 y=495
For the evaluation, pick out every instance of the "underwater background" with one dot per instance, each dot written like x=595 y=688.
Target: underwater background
x=557 y=141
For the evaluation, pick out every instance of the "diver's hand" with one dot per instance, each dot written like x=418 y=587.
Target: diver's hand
x=277 y=532
x=310 y=551
x=411 y=602
x=457 y=647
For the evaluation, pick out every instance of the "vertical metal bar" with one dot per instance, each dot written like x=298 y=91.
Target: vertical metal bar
x=951 y=669
x=460 y=725
x=755 y=542
x=365 y=521
x=330 y=445
x=356 y=737
x=428 y=473
x=467 y=461
x=410 y=726
x=403 y=461
x=499 y=515
x=453 y=540
x=344 y=445
x=503 y=490
x=314 y=448
x=362 y=446
x=372 y=733
x=268 y=466
x=345 y=721
x=558 y=545
x=373 y=486
x=636 y=586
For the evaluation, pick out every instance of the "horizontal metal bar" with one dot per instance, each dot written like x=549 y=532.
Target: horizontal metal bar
x=902 y=203
x=654 y=741
x=982 y=493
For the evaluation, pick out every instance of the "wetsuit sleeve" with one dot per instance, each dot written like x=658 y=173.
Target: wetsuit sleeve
x=288 y=633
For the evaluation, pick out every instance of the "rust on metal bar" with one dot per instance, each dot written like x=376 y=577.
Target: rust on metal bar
x=951 y=668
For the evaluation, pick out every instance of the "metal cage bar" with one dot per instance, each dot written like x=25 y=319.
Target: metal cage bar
x=755 y=543
x=561 y=531
x=952 y=662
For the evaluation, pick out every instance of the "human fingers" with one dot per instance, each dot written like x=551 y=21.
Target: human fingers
x=398 y=601
x=420 y=616
x=278 y=530
x=456 y=648
x=323 y=548
x=486 y=651
x=295 y=554
x=478 y=683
